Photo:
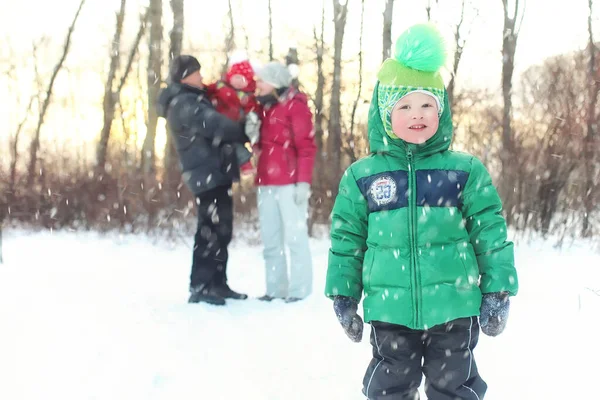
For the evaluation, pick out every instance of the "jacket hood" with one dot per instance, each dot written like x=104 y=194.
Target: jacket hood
x=380 y=142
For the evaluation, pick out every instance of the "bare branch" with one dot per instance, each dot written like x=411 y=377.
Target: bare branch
x=522 y=17
x=134 y=49
x=230 y=42
x=35 y=144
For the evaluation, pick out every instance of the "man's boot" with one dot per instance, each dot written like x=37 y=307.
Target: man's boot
x=202 y=294
x=225 y=291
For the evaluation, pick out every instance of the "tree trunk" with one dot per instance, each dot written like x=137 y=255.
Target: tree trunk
x=319 y=94
x=172 y=175
x=509 y=46
x=318 y=181
x=590 y=139
x=428 y=9
x=459 y=45
x=334 y=140
x=110 y=99
x=176 y=34
x=154 y=80
x=35 y=143
x=387 y=29
x=14 y=153
x=230 y=42
x=360 y=73
x=270 y=32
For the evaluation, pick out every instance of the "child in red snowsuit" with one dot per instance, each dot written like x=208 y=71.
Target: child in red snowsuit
x=234 y=97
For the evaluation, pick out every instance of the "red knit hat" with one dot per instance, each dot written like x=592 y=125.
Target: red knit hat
x=245 y=69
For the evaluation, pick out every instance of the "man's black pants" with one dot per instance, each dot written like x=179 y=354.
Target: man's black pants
x=215 y=227
x=444 y=354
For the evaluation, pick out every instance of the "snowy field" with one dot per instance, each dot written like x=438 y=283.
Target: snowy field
x=85 y=316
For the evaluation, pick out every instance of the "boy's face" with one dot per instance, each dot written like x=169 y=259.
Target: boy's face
x=415 y=118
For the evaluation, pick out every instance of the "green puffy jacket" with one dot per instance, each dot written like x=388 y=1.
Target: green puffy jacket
x=419 y=229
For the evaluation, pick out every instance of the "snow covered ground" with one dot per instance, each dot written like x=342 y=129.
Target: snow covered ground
x=85 y=316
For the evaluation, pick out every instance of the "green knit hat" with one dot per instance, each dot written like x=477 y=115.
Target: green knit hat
x=419 y=54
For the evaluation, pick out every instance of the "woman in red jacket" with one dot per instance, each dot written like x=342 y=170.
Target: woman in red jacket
x=284 y=173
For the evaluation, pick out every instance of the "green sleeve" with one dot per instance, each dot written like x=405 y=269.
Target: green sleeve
x=482 y=210
x=348 y=240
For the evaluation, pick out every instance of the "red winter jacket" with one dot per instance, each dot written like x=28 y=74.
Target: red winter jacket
x=287 y=144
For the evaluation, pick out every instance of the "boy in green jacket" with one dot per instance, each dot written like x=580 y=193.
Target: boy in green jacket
x=419 y=229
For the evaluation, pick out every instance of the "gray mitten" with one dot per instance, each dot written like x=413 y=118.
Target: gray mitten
x=494 y=313
x=345 y=309
x=252 y=127
x=301 y=192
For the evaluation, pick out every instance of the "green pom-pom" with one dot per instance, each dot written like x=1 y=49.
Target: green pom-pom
x=421 y=47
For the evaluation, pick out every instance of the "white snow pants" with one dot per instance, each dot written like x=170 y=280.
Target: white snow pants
x=283 y=222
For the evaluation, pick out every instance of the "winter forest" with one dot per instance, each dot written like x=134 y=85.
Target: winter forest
x=83 y=148
x=97 y=223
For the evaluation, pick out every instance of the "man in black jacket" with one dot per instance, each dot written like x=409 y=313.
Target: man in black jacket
x=204 y=140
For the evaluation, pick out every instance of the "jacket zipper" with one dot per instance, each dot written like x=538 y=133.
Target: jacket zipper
x=412 y=221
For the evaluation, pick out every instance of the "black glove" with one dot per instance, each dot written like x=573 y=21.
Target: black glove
x=494 y=313
x=242 y=154
x=345 y=309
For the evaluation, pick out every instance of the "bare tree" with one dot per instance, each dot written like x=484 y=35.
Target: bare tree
x=35 y=143
x=460 y=42
x=133 y=51
x=334 y=140
x=590 y=138
x=319 y=94
x=428 y=9
x=387 y=29
x=14 y=141
x=319 y=181
x=110 y=98
x=176 y=43
x=176 y=34
x=14 y=145
x=154 y=80
x=127 y=70
x=270 y=32
x=230 y=42
x=360 y=73
x=510 y=35
x=551 y=135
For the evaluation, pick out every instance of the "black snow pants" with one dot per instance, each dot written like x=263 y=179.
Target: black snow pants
x=215 y=227
x=443 y=353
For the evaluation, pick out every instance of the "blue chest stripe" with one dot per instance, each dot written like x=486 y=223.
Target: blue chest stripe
x=435 y=188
